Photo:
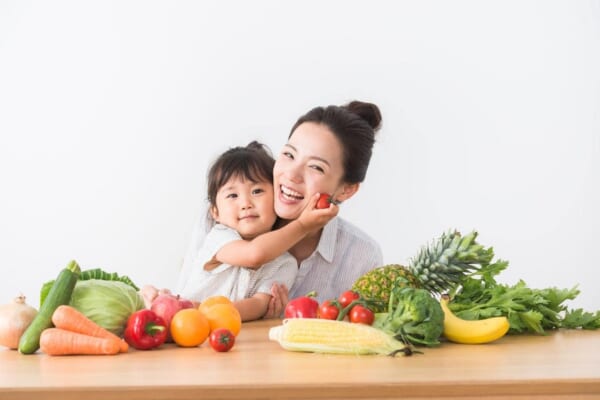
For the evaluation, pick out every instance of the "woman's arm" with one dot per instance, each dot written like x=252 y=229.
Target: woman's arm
x=254 y=307
x=266 y=247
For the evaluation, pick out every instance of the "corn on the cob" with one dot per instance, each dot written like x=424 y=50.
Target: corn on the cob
x=336 y=337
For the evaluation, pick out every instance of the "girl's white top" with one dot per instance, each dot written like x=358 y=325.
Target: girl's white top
x=234 y=282
x=344 y=253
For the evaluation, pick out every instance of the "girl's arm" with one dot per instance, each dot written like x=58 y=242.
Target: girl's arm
x=266 y=247
x=254 y=307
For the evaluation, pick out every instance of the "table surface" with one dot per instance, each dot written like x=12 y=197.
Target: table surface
x=561 y=365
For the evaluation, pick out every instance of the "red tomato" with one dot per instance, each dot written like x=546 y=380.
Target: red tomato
x=328 y=310
x=324 y=201
x=348 y=297
x=221 y=339
x=362 y=315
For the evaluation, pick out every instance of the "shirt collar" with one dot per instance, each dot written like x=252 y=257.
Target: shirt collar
x=326 y=246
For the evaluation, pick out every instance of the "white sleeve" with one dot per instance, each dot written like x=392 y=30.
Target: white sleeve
x=282 y=270
x=199 y=232
x=218 y=236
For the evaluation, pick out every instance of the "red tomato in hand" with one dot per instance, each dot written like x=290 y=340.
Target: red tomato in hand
x=361 y=315
x=324 y=201
x=328 y=310
x=221 y=339
x=348 y=297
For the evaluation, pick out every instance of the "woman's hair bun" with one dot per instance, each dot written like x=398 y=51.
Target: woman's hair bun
x=367 y=111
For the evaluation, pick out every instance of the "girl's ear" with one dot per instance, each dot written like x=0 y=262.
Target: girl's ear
x=214 y=213
x=348 y=190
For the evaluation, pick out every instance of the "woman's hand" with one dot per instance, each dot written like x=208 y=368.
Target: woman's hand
x=279 y=299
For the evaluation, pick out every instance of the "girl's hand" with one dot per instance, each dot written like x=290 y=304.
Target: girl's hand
x=313 y=218
x=279 y=299
x=149 y=293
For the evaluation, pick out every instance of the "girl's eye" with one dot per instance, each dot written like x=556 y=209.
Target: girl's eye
x=231 y=196
x=257 y=191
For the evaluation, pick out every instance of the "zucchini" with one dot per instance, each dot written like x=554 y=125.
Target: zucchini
x=59 y=294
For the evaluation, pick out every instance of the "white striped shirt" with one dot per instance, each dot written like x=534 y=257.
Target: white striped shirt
x=344 y=253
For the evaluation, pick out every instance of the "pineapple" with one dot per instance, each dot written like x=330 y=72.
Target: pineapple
x=377 y=284
x=438 y=267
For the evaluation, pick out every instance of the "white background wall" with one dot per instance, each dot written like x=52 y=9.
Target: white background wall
x=110 y=113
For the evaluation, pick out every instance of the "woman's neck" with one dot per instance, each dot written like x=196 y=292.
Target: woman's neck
x=305 y=247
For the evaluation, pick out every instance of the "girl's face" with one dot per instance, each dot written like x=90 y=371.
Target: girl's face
x=310 y=162
x=245 y=206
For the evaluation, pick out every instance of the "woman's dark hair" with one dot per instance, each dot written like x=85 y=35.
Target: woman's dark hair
x=354 y=125
x=253 y=162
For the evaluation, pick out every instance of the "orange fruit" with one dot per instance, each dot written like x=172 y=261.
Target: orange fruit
x=189 y=327
x=224 y=316
x=211 y=301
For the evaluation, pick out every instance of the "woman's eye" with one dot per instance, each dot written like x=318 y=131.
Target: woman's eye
x=289 y=155
x=317 y=168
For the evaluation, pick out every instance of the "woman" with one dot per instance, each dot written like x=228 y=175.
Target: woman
x=328 y=151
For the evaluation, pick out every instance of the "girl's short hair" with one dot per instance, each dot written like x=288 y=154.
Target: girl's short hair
x=253 y=162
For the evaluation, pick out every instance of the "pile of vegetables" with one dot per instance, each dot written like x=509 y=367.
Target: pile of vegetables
x=81 y=312
x=106 y=298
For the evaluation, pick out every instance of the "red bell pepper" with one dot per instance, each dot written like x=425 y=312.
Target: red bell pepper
x=145 y=330
x=302 y=307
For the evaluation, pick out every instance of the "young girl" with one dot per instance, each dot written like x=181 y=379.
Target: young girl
x=241 y=196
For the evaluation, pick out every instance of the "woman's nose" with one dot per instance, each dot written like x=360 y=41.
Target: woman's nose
x=294 y=174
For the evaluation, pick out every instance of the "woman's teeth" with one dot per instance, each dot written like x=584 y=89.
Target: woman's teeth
x=290 y=194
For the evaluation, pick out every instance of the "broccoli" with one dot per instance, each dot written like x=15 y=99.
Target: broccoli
x=413 y=316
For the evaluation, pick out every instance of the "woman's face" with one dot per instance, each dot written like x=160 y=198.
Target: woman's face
x=310 y=162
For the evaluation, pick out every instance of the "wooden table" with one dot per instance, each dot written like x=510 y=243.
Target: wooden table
x=562 y=365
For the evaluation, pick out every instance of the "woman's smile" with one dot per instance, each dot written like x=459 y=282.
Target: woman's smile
x=290 y=194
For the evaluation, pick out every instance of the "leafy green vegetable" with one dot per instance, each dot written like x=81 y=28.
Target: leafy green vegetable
x=581 y=319
x=413 y=316
x=108 y=303
x=95 y=273
x=527 y=309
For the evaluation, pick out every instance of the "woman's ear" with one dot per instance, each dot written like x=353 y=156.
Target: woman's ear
x=348 y=190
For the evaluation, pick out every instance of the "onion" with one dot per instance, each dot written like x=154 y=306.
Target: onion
x=14 y=320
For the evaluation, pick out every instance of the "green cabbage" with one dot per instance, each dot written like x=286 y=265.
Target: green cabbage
x=107 y=303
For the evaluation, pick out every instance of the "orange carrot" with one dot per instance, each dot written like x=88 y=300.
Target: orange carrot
x=60 y=342
x=71 y=319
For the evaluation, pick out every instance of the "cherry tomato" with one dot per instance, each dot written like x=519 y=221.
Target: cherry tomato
x=348 y=297
x=328 y=310
x=221 y=339
x=324 y=201
x=361 y=314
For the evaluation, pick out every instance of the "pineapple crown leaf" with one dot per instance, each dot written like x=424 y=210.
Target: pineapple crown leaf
x=445 y=262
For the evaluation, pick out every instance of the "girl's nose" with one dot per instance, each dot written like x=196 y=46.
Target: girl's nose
x=246 y=202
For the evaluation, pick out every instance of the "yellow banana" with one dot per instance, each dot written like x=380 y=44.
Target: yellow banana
x=460 y=330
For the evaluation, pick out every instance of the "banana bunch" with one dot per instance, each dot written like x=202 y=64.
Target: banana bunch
x=460 y=330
